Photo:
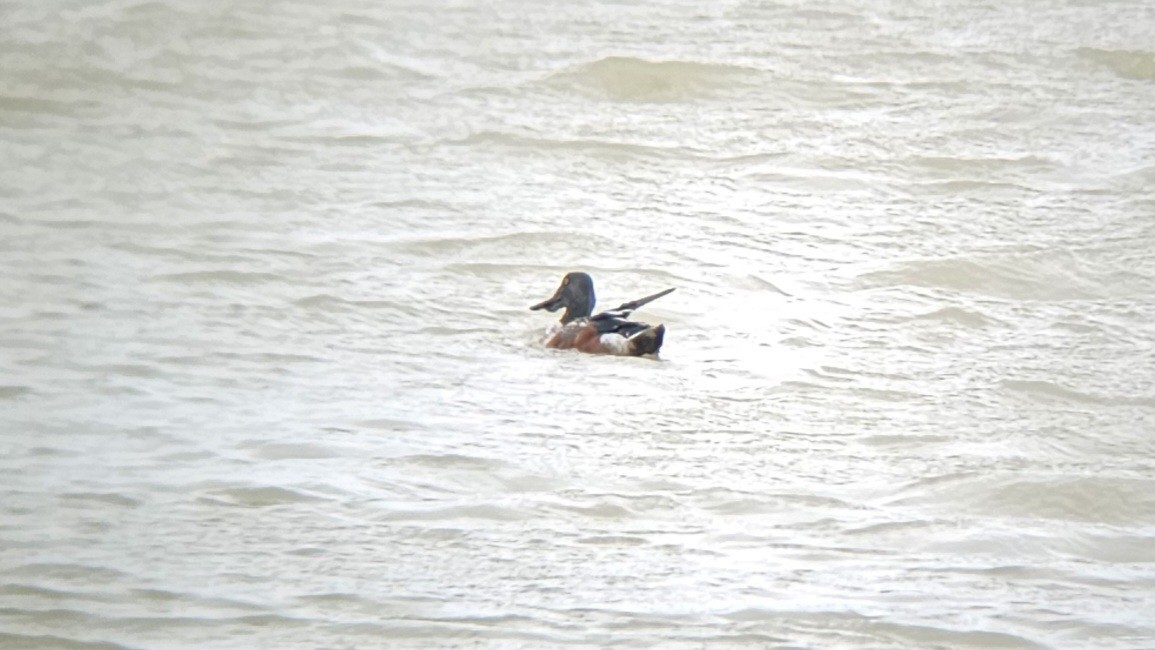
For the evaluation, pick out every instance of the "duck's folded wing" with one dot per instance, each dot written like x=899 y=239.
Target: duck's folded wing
x=611 y=323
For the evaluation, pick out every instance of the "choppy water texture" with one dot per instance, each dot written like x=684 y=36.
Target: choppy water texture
x=268 y=379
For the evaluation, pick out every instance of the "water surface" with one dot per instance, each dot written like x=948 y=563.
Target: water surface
x=268 y=377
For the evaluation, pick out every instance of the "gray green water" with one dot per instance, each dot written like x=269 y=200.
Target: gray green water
x=268 y=379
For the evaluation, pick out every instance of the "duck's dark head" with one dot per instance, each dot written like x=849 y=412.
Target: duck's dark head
x=576 y=294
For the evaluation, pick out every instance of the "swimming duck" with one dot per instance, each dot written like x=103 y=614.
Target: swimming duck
x=608 y=332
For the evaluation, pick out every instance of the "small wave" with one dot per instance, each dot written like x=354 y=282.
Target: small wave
x=10 y=640
x=998 y=165
x=329 y=302
x=258 y=497
x=128 y=370
x=223 y=276
x=606 y=149
x=21 y=590
x=78 y=573
x=1092 y=499
x=456 y=461
x=339 y=598
x=179 y=254
x=903 y=441
x=747 y=506
x=392 y=425
x=613 y=540
x=598 y=510
x=630 y=79
x=1084 y=499
x=295 y=451
x=363 y=73
x=758 y=283
x=1046 y=390
x=41 y=106
x=1021 y=278
x=486 y=512
x=432 y=205
x=267 y=357
x=811 y=181
x=871 y=631
x=94 y=224
x=956 y=315
x=521 y=240
x=12 y=392
x=105 y=498
x=341 y=139
x=903 y=528
x=1129 y=64
x=944 y=636
x=971 y=186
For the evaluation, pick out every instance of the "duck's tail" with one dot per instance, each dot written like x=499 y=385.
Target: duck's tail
x=648 y=341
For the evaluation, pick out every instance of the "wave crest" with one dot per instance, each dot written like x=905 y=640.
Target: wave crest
x=1129 y=64
x=624 y=78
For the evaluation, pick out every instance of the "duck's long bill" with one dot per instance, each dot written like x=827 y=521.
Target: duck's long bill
x=553 y=303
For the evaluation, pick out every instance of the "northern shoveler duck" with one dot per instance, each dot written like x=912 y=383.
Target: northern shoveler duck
x=609 y=332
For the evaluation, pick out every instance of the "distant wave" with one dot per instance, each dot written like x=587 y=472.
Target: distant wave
x=481 y=252
x=1022 y=278
x=257 y=497
x=624 y=78
x=54 y=641
x=40 y=105
x=330 y=302
x=599 y=148
x=1045 y=390
x=221 y=276
x=14 y=391
x=957 y=315
x=1129 y=64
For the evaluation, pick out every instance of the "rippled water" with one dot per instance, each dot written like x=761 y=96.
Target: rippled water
x=268 y=377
